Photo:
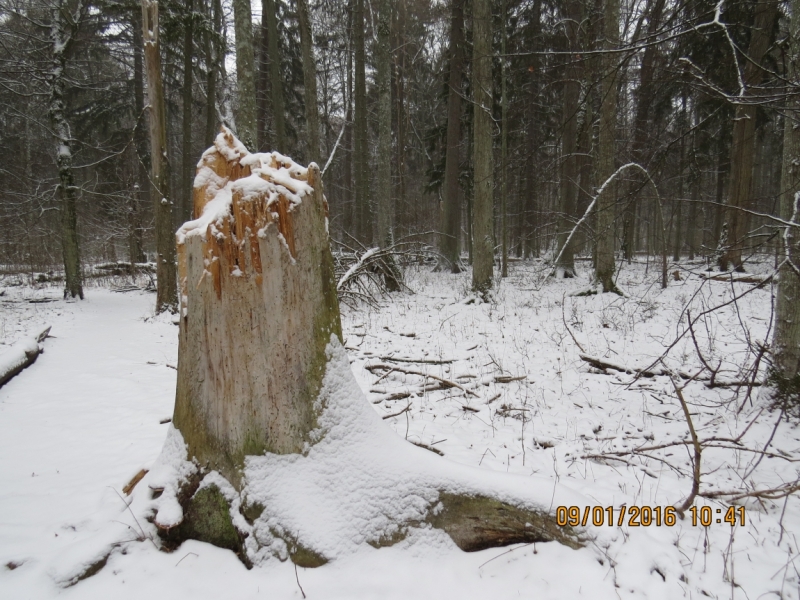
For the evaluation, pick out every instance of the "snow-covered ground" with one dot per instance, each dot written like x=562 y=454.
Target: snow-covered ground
x=77 y=425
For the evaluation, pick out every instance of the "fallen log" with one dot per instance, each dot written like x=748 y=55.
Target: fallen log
x=21 y=355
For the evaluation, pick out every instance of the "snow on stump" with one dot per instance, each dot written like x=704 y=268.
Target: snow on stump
x=275 y=453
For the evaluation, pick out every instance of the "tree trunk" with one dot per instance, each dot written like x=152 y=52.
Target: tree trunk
x=722 y=172
x=504 y=143
x=263 y=83
x=351 y=219
x=167 y=293
x=743 y=144
x=451 y=218
x=62 y=43
x=363 y=211
x=385 y=218
x=142 y=185
x=187 y=157
x=785 y=371
x=569 y=145
x=641 y=134
x=677 y=239
x=309 y=82
x=212 y=52
x=265 y=396
x=607 y=200
x=482 y=217
x=275 y=80
x=403 y=211
x=245 y=73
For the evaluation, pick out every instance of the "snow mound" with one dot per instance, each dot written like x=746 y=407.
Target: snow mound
x=358 y=482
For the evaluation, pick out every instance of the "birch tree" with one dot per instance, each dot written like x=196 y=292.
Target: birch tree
x=63 y=28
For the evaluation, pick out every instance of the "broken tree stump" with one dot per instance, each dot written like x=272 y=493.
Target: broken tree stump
x=274 y=452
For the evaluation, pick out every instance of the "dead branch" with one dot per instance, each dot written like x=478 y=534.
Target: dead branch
x=446 y=382
x=431 y=448
x=698 y=450
x=134 y=480
x=759 y=281
x=603 y=364
x=397 y=414
x=564 y=320
x=508 y=378
x=422 y=361
x=769 y=494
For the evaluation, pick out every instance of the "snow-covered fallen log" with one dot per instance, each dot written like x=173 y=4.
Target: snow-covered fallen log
x=21 y=355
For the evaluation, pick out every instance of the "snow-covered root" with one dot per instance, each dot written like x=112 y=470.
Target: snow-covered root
x=356 y=483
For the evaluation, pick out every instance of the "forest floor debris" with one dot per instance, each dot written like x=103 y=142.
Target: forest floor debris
x=86 y=422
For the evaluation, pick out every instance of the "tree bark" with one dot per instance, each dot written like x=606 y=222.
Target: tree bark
x=383 y=204
x=167 y=293
x=361 y=165
x=275 y=80
x=451 y=218
x=187 y=157
x=309 y=82
x=238 y=323
x=211 y=43
x=141 y=185
x=245 y=73
x=786 y=341
x=644 y=100
x=263 y=83
x=569 y=144
x=607 y=200
x=743 y=144
x=62 y=40
x=503 y=143
x=482 y=217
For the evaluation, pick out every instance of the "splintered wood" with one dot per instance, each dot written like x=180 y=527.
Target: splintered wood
x=235 y=235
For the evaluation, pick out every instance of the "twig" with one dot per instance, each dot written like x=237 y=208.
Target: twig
x=128 y=506
x=397 y=414
x=181 y=560
x=569 y=331
x=298 y=581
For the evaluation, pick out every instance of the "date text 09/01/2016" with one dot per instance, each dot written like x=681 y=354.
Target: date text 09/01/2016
x=645 y=516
